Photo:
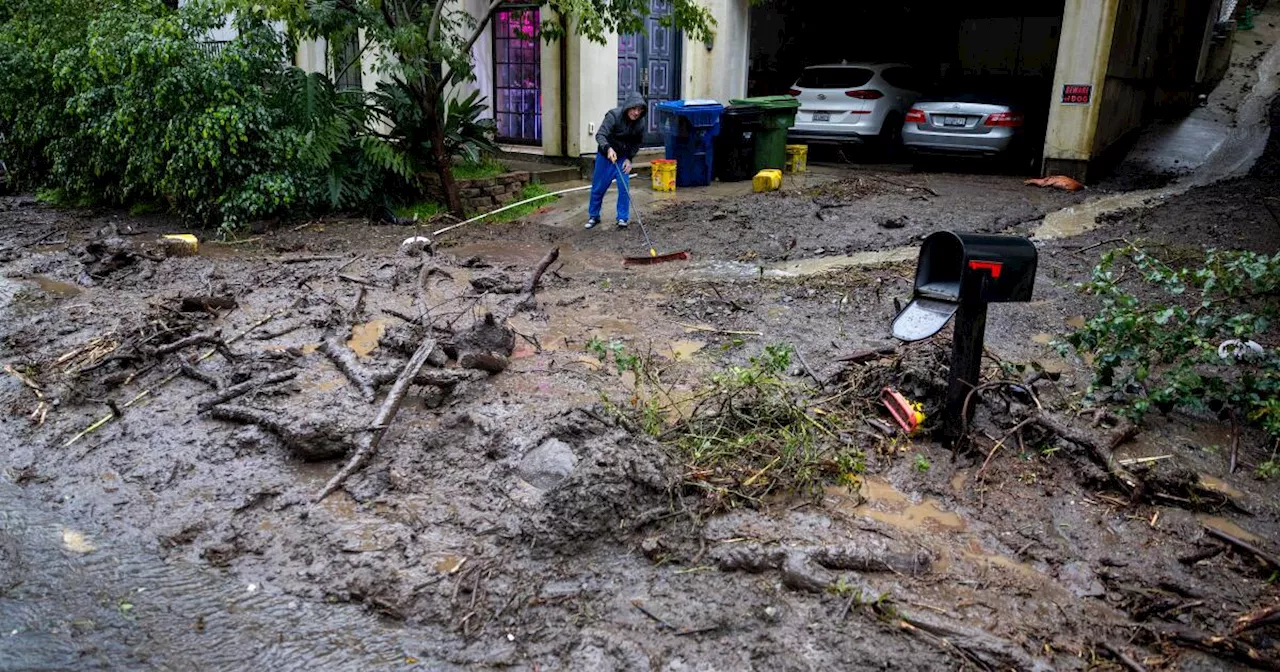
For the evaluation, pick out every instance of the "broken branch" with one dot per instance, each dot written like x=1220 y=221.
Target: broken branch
x=168 y=379
x=386 y=414
x=343 y=358
x=1244 y=546
x=244 y=388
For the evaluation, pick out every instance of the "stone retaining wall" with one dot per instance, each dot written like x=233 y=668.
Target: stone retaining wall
x=483 y=194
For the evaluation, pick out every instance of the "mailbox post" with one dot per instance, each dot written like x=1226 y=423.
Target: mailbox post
x=957 y=275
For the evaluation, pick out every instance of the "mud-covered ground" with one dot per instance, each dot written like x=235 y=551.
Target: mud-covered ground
x=509 y=520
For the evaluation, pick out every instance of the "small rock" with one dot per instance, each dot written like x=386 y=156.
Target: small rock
x=715 y=217
x=893 y=223
x=653 y=548
x=415 y=245
x=548 y=464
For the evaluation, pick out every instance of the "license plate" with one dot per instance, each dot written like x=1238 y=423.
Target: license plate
x=822 y=116
x=953 y=121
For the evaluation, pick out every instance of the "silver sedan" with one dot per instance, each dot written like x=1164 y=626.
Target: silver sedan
x=963 y=125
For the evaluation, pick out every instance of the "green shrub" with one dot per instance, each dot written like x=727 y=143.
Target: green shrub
x=1180 y=336
x=129 y=105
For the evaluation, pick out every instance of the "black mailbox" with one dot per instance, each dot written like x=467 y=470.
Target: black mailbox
x=958 y=274
x=965 y=267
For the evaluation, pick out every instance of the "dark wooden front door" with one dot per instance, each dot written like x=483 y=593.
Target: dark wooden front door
x=649 y=62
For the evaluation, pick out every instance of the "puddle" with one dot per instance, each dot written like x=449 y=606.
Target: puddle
x=683 y=350
x=57 y=288
x=450 y=564
x=1226 y=526
x=1082 y=218
x=1218 y=485
x=802 y=267
x=365 y=337
x=886 y=504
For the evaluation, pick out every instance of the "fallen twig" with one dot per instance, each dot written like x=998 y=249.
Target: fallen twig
x=1256 y=619
x=1101 y=453
x=996 y=447
x=1215 y=644
x=307 y=260
x=808 y=370
x=1202 y=555
x=531 y=283
x=200 y=376
x=1131 y=664
x=343 y=358
x=168 y=379
x=357 y=280
x=41 y=239
x=386 y=414
x=713 y=330
x=1244 y=546
x=199 y=339
x=236 y=391
x=868 y=355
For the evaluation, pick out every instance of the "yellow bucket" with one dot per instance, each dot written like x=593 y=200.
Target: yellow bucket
x=797 y=158
x=663 y=172
x=768 y=179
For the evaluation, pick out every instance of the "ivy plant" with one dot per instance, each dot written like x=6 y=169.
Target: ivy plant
x=1194 y=336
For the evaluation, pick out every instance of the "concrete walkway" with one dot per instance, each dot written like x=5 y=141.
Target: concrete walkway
x=571 y=210
x=1184 y=145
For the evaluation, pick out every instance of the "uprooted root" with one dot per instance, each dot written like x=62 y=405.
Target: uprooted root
x=802 y=568
x=806 y=570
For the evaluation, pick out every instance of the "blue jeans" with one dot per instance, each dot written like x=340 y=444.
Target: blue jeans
x=604 y=174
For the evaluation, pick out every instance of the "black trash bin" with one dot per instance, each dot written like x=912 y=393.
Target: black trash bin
x=736 y=145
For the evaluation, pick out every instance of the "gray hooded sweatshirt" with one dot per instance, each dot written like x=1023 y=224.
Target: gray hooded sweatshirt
x=619 y=132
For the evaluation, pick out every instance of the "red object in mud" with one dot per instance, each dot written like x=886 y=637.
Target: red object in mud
x=1057 y=182
x=657 y=259
x=900 y=409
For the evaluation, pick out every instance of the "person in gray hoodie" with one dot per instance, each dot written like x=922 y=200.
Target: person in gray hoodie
x=619 y=139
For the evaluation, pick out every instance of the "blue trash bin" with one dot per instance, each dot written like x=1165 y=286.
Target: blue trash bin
x=690 y=128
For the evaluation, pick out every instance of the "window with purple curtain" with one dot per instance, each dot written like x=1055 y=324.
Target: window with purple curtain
x=517 y=74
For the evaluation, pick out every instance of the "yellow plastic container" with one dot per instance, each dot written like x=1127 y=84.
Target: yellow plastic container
x=797 y=158
x=181 y=245
x=664 y=174
x=768 y=179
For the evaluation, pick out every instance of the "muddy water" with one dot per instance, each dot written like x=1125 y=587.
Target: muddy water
x=888 y=505
x=55 y=288
x=364 y=337
x=71 y=600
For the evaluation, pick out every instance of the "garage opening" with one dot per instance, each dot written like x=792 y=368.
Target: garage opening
x=1002 y=48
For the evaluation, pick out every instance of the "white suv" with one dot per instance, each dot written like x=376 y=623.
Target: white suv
x=854 y=102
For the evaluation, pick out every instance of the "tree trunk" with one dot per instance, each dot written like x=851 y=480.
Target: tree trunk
x=444 y=163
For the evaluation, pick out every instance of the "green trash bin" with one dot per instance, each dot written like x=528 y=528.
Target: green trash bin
x=778 y=115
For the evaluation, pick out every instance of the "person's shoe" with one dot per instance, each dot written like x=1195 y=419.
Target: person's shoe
x=622 y=223
x=591 y=223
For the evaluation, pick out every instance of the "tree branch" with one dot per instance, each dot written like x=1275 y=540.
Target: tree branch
x=481 y=24
x=433 y=28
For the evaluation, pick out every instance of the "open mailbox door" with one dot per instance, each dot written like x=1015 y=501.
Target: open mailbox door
x=957 y=268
